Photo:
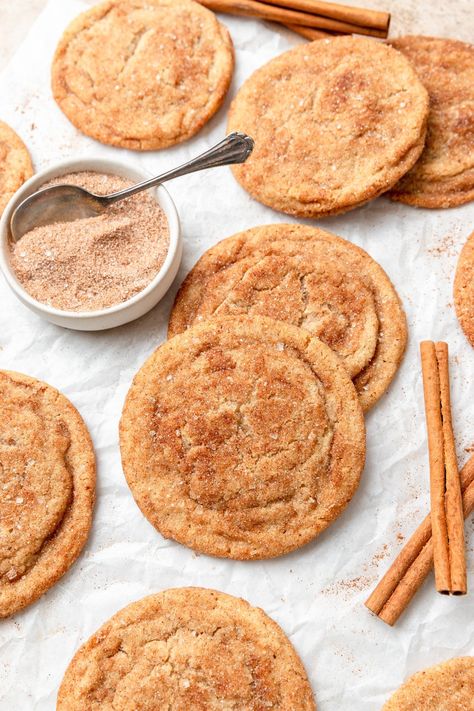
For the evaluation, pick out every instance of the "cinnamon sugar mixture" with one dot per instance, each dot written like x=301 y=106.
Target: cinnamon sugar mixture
x=96 y=262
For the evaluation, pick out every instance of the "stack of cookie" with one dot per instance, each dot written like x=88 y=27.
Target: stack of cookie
x=47 y=483
x=340 y=121
x=243 y=435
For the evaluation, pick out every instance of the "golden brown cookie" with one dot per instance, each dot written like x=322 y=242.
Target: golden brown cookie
x=242 y=437
x=335 y=122
x=15 y=164
x=444 y=174
x=142 y=74
x=187 y=649
x=312 y=279
x=445 y=687
x=464 y=289
x=47 y=481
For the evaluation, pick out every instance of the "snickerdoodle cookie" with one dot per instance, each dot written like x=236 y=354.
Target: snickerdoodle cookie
x=142 y=74
x=242 y=437
x=187 y=649
x=15 y=164
x=335 y=123
x=445 y=687
x=444 y=174
x=464 y=289
x=312 y=279
x=47 y=481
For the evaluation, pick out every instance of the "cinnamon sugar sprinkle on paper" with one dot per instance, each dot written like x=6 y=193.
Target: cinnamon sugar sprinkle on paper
x=352 y=585
x=446 y=245
x=96 y=262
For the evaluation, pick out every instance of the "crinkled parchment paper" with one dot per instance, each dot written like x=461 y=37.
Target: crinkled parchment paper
x=316 y=594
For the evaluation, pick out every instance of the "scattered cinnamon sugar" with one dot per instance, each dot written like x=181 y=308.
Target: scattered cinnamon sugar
x=96 y=262
x=362 y=582
x=447 y=244
x=381 y=554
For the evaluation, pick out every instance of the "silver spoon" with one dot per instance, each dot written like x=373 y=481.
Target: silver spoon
x=65 y=203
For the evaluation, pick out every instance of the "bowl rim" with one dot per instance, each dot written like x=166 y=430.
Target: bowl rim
x=98 y=165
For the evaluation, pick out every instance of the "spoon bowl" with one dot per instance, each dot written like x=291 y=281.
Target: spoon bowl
x=59 y=203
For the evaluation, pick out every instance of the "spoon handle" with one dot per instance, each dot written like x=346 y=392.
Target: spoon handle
x=235 y=148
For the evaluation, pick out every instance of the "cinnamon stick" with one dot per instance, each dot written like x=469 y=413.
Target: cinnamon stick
x=362 y=17
x=309 y=33
x=453 y=496
x=410 y=568
x=254 y=8
x=434 y=426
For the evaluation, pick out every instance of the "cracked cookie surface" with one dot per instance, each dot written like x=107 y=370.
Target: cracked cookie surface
x=15 y=164
x=444 y=687
x=312 y=279
x=444 y=174
x=47 y=481
x=335 y=124
x=242 y=437
x=142 y=74
x=187 y=648
x=464 y=289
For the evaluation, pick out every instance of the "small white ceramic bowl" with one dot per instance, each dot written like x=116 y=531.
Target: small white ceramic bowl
x=114 y=315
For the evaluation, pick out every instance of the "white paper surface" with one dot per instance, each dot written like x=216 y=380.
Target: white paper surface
x=354 y=661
